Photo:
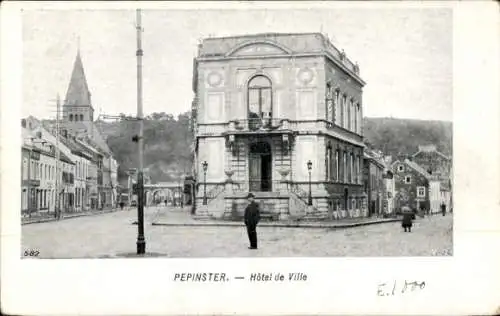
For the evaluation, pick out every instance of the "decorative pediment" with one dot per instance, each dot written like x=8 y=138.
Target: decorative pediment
x=258 y=49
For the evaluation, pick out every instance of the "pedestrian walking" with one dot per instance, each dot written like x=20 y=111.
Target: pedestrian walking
x=252 y=218
x=122 y=204
x=407 y=219
x=443 y=208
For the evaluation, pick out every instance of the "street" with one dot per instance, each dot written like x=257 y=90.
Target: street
x=109 y=235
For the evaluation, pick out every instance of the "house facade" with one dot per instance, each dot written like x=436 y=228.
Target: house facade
x=278 y=115
x=38 y=172
x=434 y=162
x=412 y=185
x=373 y=168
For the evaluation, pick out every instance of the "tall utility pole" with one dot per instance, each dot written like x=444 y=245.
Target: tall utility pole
x=57 y=211
x=141 y=242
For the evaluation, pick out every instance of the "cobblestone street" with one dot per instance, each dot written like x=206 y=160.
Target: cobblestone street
x=109 y=235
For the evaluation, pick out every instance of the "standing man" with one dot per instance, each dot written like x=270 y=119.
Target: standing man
x=252 y=218
x=443 y=208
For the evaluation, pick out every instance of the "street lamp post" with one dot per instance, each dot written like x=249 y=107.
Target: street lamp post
x=141 y=242
x=309 y=168
x=205 y=167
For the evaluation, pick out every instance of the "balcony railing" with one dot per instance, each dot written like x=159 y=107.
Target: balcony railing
x=34 y=182
x=259 y=124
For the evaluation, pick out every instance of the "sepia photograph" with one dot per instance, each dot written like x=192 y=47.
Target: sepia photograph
x=237 y=133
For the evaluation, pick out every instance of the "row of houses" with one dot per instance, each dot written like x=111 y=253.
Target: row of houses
x=87 y=169
x=87 y=175
x=421 y=181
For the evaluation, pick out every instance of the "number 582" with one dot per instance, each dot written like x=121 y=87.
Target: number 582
x=31 y=253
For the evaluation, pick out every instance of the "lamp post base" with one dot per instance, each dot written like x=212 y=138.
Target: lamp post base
x=141 y=246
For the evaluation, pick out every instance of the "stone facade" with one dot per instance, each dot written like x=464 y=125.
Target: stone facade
x=412 y=184
x=374 y=183
x=267 y=104
x=434 y=162
x=38 y=172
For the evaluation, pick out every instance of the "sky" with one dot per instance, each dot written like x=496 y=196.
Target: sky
x=404 y=54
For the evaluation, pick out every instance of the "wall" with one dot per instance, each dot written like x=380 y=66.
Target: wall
x=345 y=85
x=211 y=150
x=406 y=193
x=222 y=88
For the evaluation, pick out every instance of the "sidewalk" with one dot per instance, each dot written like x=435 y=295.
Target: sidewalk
x=176 y=218
x=50 y=218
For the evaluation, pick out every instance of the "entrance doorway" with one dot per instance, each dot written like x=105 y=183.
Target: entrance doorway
x=260 y=167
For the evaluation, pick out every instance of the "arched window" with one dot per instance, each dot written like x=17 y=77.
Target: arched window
x=260 y=103
x=71 y=117
x=81 y=117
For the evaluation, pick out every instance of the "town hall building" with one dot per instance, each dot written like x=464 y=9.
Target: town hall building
x=281 y=116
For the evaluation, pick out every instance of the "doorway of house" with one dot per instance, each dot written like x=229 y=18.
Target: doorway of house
x=260 y=167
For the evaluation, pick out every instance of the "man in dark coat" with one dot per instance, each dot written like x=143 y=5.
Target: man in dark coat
x=252 y=218
x=407 y=219
x=443 y=208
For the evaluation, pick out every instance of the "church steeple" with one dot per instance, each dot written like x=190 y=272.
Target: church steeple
x=78 y=104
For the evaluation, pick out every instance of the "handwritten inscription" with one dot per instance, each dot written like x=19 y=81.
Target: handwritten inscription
x=395 y=288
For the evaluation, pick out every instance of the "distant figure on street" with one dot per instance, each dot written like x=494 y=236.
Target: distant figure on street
x=252 y=218
x=122 y=204
x=407 y=219
x=443 y=208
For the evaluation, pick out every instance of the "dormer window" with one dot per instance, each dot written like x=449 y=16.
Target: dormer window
x=401 y=168
x=259 y=101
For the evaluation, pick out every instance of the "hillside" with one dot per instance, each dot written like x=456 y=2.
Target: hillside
x=402 y=136
x=167 y=141
x=166 y=145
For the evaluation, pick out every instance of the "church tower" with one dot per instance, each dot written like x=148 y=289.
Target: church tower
x=77 y=107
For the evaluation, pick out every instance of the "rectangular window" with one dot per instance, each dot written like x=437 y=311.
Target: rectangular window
x=328 y=164
x=344 y=167
x=408 y=179
x=349 y=115
x=337 y=165
x=329 y=103
x=401 y=168
x=338 y=120
x=25 y=169
x=356 y=167
x=420 y=191
x=352 y=169
x=344 y=111
x=355 y=118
